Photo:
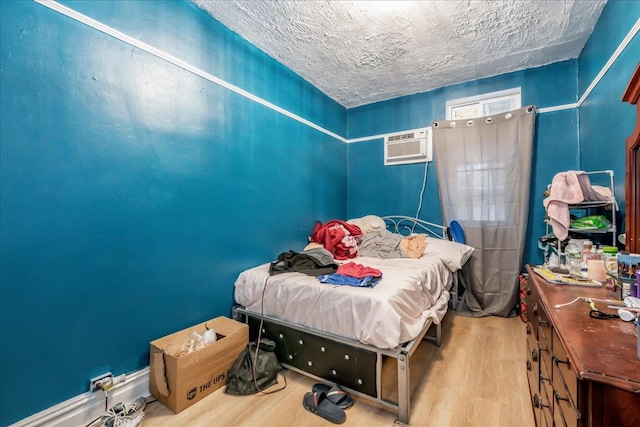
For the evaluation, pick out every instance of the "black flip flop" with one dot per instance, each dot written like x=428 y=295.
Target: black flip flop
x=335 y=395
x=319 y=405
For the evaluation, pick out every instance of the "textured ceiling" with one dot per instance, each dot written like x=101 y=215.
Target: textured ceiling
x=359 y=52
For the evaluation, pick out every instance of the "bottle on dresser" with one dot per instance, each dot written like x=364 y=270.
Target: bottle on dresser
x=589 y=252
x=573 y=258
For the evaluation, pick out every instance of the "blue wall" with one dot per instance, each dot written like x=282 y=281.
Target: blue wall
x=134 y=192
x=606 y=121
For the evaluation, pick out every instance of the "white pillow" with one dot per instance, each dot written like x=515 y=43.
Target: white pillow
x=452 y=254
x=368 y=223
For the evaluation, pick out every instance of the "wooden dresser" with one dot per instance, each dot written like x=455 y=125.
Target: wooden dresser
x=582 y=371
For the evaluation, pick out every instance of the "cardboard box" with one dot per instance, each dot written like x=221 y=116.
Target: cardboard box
x=179 y=379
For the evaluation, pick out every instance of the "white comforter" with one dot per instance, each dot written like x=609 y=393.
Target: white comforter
x=394 y=312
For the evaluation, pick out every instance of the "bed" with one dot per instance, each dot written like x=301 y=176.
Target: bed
x=342 y=334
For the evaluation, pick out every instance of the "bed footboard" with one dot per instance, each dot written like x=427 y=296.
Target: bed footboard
x=332 y=359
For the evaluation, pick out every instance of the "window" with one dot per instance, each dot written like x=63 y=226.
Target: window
x=484 y=105
x=475 y=180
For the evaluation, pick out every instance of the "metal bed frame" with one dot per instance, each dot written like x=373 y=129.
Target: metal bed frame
x=355 y=366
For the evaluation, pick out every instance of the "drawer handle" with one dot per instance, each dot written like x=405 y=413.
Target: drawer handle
x=542 y=322
x=534 y=355
x=566 y=399
x=536 y=401
x=542 y=405
x=558 y=398
x=534 y=309
x=528 y=329
x=529 y=365
x=557 y=360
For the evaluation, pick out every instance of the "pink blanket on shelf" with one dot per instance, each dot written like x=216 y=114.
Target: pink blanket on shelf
x=569 y=188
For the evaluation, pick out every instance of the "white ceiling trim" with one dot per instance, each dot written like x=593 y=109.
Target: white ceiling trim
x=623 y=45
x=53 y=5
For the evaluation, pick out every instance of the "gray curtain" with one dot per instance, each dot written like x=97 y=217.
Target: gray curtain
x=484 y=171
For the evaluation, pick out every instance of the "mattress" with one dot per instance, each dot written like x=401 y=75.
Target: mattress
x=393 y=312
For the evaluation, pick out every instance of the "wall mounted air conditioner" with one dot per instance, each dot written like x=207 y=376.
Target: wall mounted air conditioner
x=412 y=146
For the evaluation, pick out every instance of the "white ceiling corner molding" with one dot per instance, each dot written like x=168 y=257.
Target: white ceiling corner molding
x=623 y=45
x=633 y=32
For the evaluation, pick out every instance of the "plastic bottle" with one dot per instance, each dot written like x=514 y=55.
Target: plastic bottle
x=586 y=252
x=573 y=258
x=608 y=256
x=608 y=252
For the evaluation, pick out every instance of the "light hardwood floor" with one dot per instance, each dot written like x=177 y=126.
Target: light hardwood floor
x=476 y=378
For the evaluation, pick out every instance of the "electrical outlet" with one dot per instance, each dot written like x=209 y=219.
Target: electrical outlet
x=96 y=383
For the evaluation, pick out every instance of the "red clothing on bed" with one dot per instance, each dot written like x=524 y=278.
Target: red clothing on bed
x=358 y=270
x=337 y=237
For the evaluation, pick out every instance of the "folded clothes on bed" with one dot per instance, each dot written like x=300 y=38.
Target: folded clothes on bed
x=341 y=279
x=353 y=274
x=357 y=270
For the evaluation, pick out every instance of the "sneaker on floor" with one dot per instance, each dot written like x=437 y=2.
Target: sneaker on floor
x=133 y=420
x=135 y=406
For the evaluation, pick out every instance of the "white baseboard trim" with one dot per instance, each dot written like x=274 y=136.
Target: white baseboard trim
x=81 y=410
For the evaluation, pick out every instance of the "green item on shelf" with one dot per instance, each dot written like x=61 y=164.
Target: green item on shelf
x=593 y=222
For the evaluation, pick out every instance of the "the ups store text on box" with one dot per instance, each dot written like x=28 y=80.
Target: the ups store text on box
x=179 y=379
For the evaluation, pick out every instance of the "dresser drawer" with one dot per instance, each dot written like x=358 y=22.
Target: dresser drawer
x=563 y=412
x=533 y=368
x=531 y=337
x=545 y=381
x=546 y=404
x=532 y=342
x=565 y=386
x=533 y=311
x=544 y=339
